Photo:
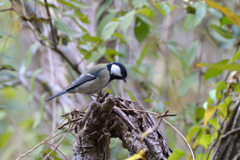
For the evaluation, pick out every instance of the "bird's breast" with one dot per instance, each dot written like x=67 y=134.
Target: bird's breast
x=95 y=85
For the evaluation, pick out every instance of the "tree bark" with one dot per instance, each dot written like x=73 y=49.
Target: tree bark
x=228 y=146
x=116 y=117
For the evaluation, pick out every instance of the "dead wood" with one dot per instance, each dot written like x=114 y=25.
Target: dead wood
x=108 y=120
x=228 y=145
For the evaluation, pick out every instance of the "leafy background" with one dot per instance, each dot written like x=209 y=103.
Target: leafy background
x=180 y=55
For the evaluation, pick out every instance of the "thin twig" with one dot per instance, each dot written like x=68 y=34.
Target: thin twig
x=56 y=149
x=7 y=9
x=41 y=142
x=230 y=132
x=182 y=137
x=53 y=151
x=51 y=25
x=137 y=110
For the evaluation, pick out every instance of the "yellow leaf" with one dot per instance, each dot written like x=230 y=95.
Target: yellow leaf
x=226 y=11
x=139 y=155
x=208 y=113
x=146 y=133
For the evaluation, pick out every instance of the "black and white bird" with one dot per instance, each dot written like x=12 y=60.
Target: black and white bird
x=95 y=79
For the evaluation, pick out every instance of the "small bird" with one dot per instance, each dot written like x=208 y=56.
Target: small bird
x=95 y=79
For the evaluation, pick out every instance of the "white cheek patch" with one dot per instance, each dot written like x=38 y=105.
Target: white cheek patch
x=115 y=69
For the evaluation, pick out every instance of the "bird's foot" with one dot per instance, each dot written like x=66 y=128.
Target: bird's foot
x=96 y=102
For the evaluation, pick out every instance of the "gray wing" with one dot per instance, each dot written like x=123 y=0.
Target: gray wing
x=81 y=79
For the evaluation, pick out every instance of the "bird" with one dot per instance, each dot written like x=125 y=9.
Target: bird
x=95 y=79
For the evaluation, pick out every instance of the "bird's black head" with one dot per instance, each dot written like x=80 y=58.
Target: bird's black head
x=117 y=71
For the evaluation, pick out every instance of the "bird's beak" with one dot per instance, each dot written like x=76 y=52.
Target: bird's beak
x=124 y=79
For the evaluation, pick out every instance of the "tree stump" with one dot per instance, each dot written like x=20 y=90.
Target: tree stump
x=115 y=117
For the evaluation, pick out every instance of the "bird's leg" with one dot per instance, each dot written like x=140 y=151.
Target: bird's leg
x=100 y=92
x=92 y=99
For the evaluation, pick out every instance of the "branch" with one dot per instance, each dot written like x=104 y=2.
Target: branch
x=230 y=132
x=7 y=9
x=51 y=25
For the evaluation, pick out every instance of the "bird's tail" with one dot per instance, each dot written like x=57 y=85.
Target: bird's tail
x=56 y=95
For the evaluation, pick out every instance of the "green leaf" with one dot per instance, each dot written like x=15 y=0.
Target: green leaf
x=231 y=67
x=122 y=154
x=205 y=140
x=146 y=12
x=226 y=11
x=110 y=54
x=102 y=8
x=39 y=116
x=130 y=94
x=65 y=28
x=164 y=8
x=199 y=112
x=96 y=55
x=192 y=132
x=236 y=87
x=176 y=154
x=74 y=4
x=223 y=107
x=32 y=50
x=211 y=72
x=7 y=66
x=221 y=31
x=5 y=138
x=172 y=45
x=148 y=100
x=141 y=29
x=186 y=83
x=107 y=18
x=191 y=53
x=216 y=13
x=126 y=20
x=220 y=86
x=225 y=21
x=193 y=20
x=236 y=56
x=81 y=16
x=145 y=51
x=214 y=123
x=191 y=10
x=35 y=73
x=114 y=143
x=109 y=29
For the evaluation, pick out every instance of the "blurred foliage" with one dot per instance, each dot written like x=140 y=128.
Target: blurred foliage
x=173 y=42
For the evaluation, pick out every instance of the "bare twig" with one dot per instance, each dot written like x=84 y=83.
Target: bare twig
x=41 y=142
x=56 y=149
x=193 y=157
x=51 y=25
x=53 y=151
x=230 y=132
x=7 y=9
